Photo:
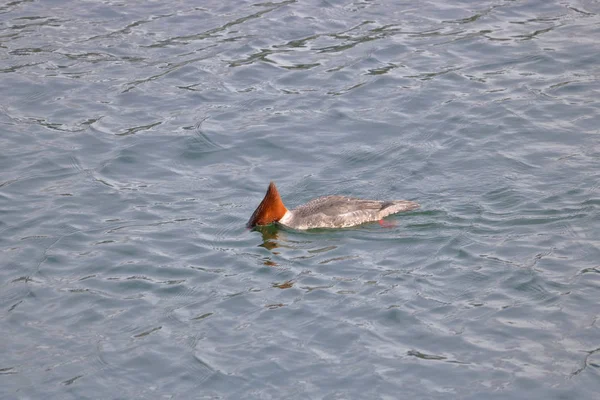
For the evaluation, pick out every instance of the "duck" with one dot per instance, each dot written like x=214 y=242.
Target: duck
x=324 y=212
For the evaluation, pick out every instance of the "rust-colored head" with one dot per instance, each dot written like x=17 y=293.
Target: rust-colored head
x=269 y=210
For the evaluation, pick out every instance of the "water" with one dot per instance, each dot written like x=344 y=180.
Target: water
x=138 y=137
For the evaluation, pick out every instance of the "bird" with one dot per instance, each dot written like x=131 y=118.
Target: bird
x=324 y=212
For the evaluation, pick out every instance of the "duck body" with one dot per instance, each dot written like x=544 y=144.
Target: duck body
x=325 y=212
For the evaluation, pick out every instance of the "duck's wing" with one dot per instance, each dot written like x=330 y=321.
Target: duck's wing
x=341 y=211
x=336 y=205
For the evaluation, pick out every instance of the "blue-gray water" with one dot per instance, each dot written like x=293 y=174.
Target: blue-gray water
x=136 y=138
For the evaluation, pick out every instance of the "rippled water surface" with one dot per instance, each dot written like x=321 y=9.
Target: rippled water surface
x=137 y=138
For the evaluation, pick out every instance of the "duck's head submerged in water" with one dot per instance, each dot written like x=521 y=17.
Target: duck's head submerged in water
x=270 y=210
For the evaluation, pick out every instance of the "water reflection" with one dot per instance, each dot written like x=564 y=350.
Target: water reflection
x=270 y=235
x=270 y=241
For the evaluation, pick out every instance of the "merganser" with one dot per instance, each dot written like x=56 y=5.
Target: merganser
x=325 y=212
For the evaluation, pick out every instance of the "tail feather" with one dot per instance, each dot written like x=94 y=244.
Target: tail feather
x=396 y=206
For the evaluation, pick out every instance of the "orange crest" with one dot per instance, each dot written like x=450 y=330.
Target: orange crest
x=269 y=210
